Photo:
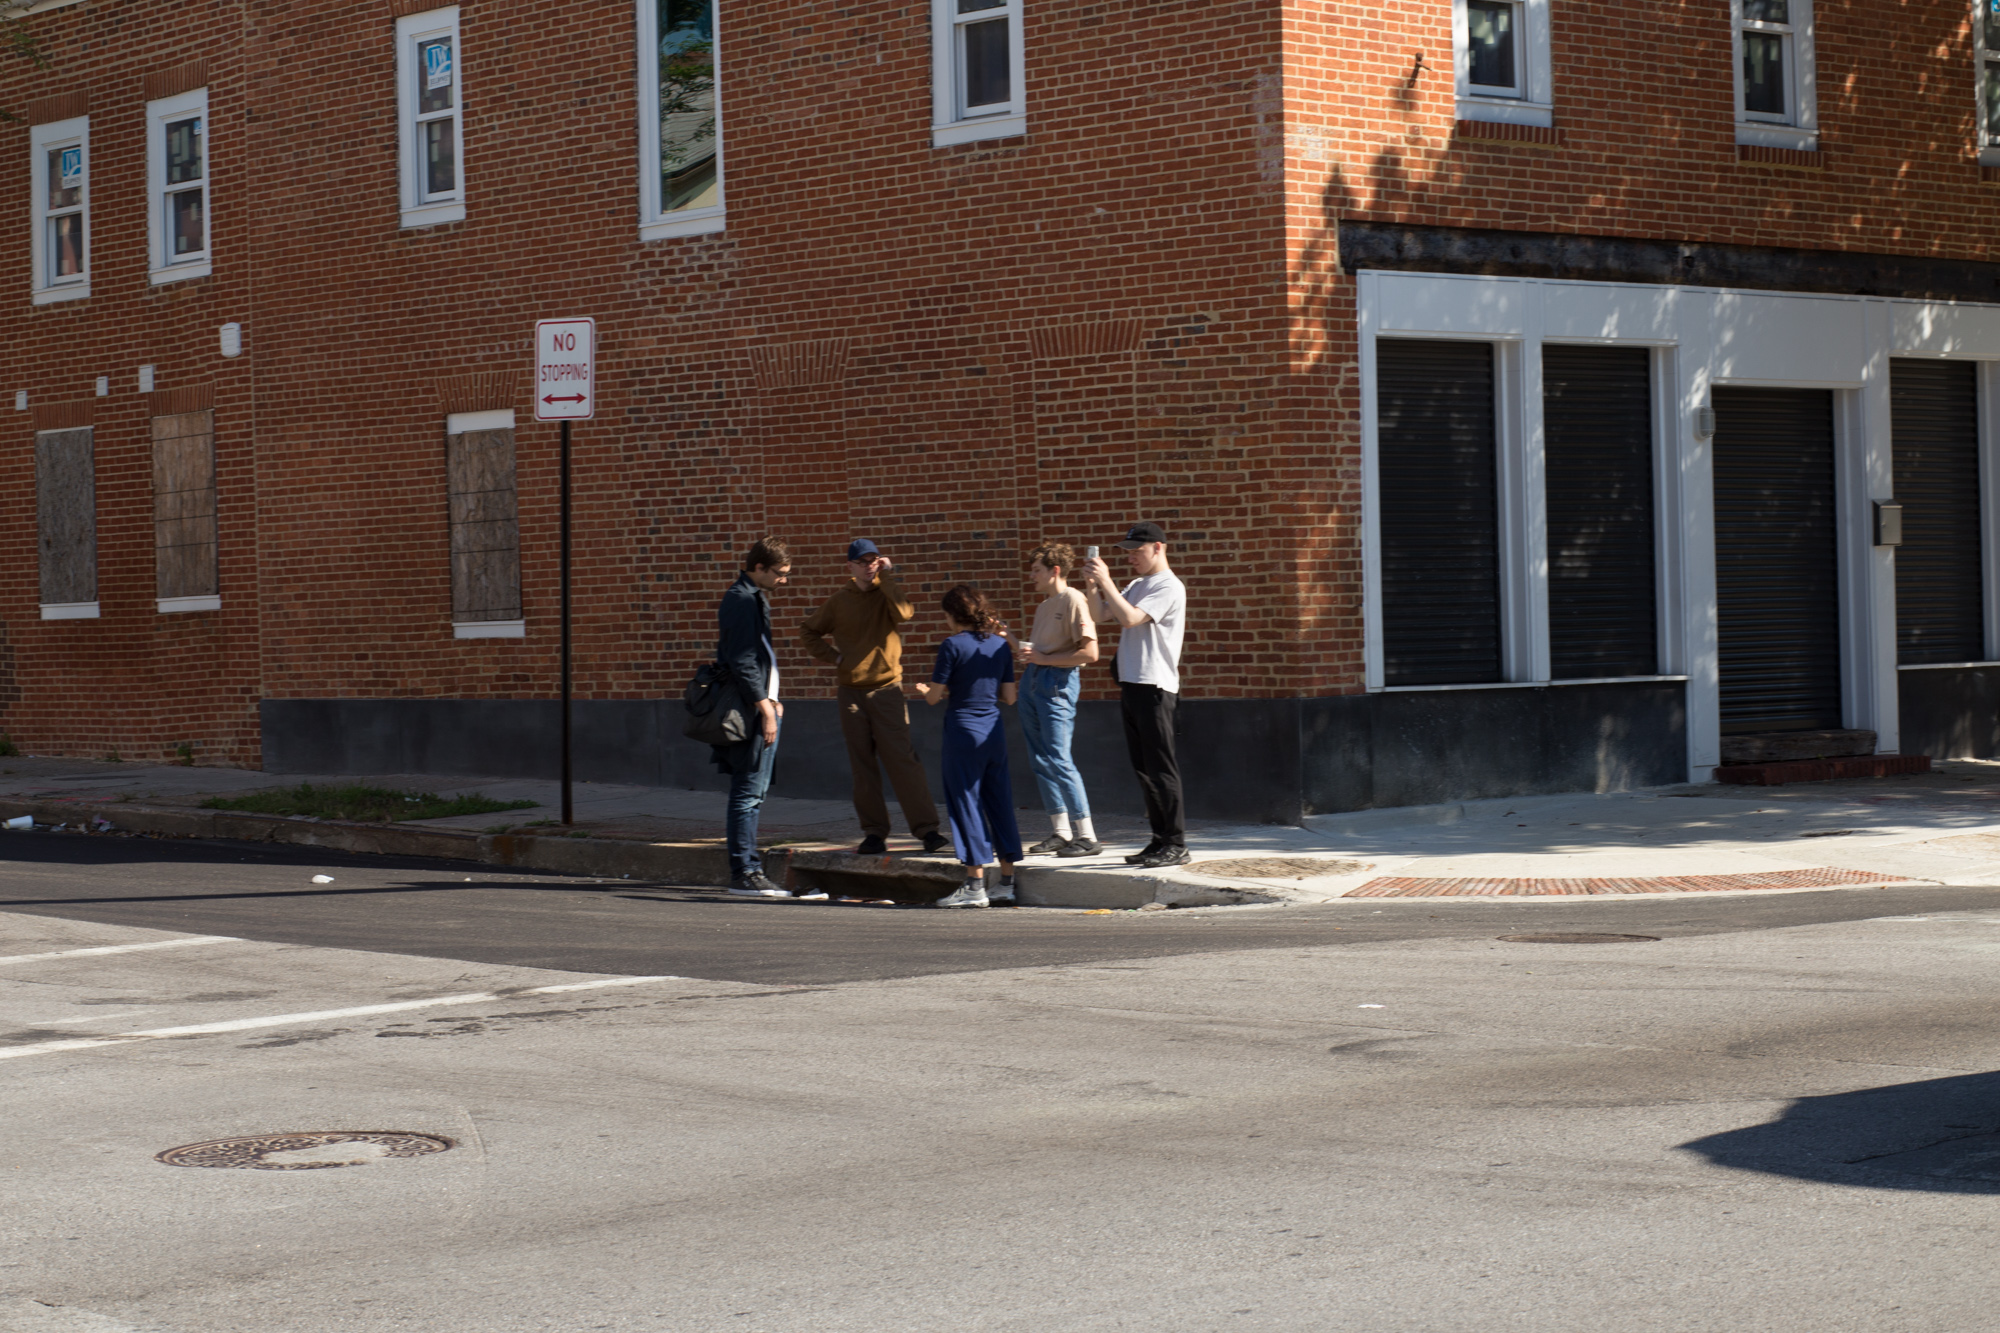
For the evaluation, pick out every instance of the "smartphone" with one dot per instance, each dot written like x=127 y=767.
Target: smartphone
x=1090 y=553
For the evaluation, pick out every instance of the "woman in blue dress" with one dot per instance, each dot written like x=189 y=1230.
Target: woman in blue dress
x=974 y=676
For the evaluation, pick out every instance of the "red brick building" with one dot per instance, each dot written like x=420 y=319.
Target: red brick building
x=1518 y=379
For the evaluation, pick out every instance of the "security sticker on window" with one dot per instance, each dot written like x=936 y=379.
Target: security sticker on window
x=437 y=66
x=72 y=167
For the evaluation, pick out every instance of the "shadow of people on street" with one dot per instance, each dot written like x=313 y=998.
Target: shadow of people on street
x=1938 y=1134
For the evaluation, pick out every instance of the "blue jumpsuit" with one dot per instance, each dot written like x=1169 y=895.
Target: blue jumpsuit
x=978 y=789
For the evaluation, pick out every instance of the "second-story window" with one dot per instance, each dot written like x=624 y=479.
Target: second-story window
x=61 y=244
x=680 y=119
x=1502 y=50
x=177 y=196
x=1493 y=47
x=1986 y=31
x=1774 y=72
x=977 y=68
x=431 y=114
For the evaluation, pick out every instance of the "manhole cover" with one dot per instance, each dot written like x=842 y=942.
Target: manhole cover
x=308 y=1150
x=1278 y=867
x=1579 y=937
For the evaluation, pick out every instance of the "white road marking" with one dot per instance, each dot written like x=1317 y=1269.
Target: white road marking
x=317 y=1016
x=102 y=949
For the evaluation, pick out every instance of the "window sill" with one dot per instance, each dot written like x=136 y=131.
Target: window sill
x=1990 y=157
x=703 y=222
x=51 y=295
x=69 y=611
x=1507 y=131
x=972 y=131
x=180 y=272
x=170 y=606
x=1759 y=135
x=489 y=629
x=1945 y=666
x=433 y=215
x=1798 y=159
x=1506 y=111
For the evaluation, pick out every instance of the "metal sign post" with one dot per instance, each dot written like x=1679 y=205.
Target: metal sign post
x=565 y=391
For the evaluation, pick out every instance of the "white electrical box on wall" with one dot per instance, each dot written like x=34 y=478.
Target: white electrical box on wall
x=145 y=379
x=232 y=340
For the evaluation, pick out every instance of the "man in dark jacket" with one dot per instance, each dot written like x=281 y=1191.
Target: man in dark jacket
x=744 y=646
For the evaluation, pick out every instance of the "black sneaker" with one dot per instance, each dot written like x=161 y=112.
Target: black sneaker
x=873 y=845
x=1144 y=852
x=1166 y=856
x=1051 y=845
x=972 y=893
x=1080 y=847
x=935 y=842
x=754 y=885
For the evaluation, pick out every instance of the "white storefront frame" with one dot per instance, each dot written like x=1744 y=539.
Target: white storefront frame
x=1701 y=337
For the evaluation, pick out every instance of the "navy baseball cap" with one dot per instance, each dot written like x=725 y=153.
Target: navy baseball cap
x=861 y=548
x=1142 y=534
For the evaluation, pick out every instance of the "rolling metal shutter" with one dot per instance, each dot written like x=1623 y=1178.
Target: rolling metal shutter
x=1597 y=423
x=1777 y=580
x=1934 y=433
x=1439 y=508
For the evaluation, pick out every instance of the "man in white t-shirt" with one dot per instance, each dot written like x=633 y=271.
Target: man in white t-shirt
x=1151 y=614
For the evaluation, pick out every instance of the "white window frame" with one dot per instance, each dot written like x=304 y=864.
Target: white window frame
x=951 y=121
x=165 y=266
x=1986 y=56
x=1534 y=102
x=42 y=138
x=1798 y=127
x=421 y=209
x=655 y=224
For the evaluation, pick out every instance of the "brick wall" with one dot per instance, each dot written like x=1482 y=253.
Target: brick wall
x=1136 y=310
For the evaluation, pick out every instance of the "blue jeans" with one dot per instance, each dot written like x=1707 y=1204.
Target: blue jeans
x=1048 y=721
x=746 y=799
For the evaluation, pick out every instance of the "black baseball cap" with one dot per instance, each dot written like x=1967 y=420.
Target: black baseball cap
x=861 y=549
x=1142 y=534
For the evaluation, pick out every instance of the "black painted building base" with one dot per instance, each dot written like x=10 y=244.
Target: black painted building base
x=1249 y=760
x=1950 y=712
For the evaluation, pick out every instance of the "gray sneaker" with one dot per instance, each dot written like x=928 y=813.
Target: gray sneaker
x=972 y=893
x=1001 y=894
x=754 y=885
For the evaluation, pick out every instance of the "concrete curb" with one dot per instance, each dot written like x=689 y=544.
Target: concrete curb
x=703 y=864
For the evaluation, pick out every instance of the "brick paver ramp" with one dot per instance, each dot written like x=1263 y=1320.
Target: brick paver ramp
x=1409 y=886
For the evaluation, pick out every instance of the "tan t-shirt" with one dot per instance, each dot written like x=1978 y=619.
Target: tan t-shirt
x=1062 y=623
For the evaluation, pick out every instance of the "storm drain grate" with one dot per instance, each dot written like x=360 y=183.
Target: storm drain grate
x=1579 y=937
x=253 y=1151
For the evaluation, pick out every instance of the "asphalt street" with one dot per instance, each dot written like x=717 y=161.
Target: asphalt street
x=651 y=1108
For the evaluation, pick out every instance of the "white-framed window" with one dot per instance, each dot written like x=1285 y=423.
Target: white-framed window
x=177 y=186
x=431 y=117
x=1775 y=103
x=1503 y=65
x=60 y=249
x=977 y=71
x=1986 y=33
x=680 y=119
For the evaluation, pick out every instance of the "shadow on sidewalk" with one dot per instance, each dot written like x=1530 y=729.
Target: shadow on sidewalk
x=1940 y=1134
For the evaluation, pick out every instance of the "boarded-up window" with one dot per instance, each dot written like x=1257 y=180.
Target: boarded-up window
x=184 y=505
x=66 y=515
x=485 y=527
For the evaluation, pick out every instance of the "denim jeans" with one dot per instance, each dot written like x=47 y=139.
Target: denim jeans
x=1048 y=721
x=746 y=799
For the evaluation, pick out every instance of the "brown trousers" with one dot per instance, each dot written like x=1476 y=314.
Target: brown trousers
x=876 y=724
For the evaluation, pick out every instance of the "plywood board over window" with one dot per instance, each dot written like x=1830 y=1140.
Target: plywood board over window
x=485 y=533
x=66 y=519
x=184 y=536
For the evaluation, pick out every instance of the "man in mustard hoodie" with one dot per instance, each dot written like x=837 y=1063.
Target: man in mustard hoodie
x=857 y=630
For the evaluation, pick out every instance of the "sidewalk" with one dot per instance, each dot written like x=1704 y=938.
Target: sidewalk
x=1938 y=827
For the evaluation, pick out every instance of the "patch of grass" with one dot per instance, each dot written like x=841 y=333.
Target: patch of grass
x=378 y=805
x=8 y=750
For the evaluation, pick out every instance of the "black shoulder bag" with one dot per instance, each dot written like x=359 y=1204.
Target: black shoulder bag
x=717 y=714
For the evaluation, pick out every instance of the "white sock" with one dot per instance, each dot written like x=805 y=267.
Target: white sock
x=1084 y=833
x=1061 y=820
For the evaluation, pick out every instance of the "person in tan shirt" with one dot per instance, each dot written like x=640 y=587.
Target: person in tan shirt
x=858 y=630
x=1062 y=643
